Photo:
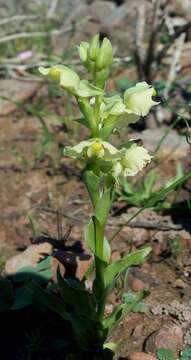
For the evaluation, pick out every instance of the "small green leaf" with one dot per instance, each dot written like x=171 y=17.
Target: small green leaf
x=92 y=183
x=23 y=298
x=82 y=121
x=130 y=298
x=165 y=354
x=76 y=296
x=132 y=259
x=103 y=206
x=44 y=264
x=86 y=89
x=6 y=294
x=47 y=299
x=111 y=346
x=122 y=310
x=166 y=190
x=29 y=272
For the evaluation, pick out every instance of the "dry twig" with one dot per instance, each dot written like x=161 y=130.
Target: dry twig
x=173 y=68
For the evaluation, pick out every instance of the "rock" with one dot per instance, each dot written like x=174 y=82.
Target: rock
x=138 y=331
x=83 y=263
x=136 y=284
x=115 y=255
x=100 y=10
x=174 y=145
x=181 y=8
x=168 y=337
x=185 y=237
x=70 y=263
x=30 y=257
x=179 y=283
x=55 y=263
x=16 y=90
x=141 y=356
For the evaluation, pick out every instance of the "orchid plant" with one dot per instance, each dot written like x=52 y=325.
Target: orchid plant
x=104 y=167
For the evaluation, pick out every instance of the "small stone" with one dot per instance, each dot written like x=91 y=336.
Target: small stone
x=185 y=237
x=136 y=284
x=55 y=263
x=173 y=146
x=168 y=337
x=30 y=257
x=138 y=331
x=115 y=255
x=83 y=264
x=179 y=283
x=16 y=90
x=70 y=263
x=141 y=356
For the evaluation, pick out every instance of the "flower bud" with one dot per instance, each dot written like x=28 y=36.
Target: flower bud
x=83 y=51
x=53 y=72
x=105 y=56
x=65 y=76
x=94 y=48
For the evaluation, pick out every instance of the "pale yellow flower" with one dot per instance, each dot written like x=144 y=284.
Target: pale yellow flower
x=138 y=99
x=93 y=149
x=134 y=160
x=70 y=81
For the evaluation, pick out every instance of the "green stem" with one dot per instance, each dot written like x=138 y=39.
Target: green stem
x=100 y=268
x=87 y=111
x=97 y=109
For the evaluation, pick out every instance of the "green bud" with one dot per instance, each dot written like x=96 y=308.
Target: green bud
x=83 y=51
x=105 y=56
x=94 y=48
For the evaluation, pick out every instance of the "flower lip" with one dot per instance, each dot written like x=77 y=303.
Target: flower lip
x=95 y=150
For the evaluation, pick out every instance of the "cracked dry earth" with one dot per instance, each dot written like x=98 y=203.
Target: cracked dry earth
x=52 y=195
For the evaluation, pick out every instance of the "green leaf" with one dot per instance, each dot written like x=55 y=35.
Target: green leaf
x=98 y=244
x=28 y=272
x=23 y=298
x=6 y=294
x=92 y=183
x=86 y=89
x=186 y=354
x=165 y=354
x=132 y=259
x=76 y=296
x=47 y=299
x=122 y=310
x=83 y=121
x=165 y=191
x=107 y=130
x=103 y=206
x=44 y=264
x=130 y=298
x=42 y=273
x=90 y=269
x=150 y=183
x=111 y=346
